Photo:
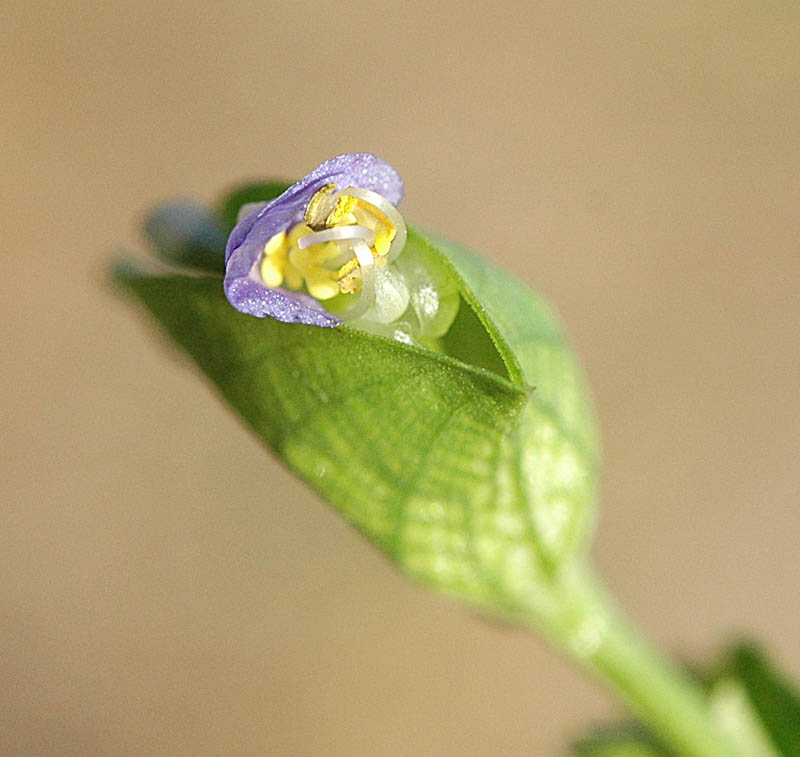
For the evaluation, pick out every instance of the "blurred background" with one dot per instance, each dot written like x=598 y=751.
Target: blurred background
x=165 y=587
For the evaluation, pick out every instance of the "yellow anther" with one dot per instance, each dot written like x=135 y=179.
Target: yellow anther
x=275 y=265
x=285 y=262
x=297 y=232
x=319 y=207
x=275 y=243
x=271 y=273
x=342 y=214
x=368 y=215
x=321 y=284
x=349 y=277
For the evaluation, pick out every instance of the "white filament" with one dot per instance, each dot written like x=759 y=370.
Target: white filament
x=338 y=234
x=389 y=210
x=367 y=262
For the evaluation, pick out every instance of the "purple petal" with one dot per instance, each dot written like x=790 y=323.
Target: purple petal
x=243 y=286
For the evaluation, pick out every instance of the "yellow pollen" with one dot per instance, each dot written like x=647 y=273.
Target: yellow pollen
x=349 y=277
x=371 y=217
x=342 y=214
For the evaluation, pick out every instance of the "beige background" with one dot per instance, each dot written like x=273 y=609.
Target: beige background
x=165 y=588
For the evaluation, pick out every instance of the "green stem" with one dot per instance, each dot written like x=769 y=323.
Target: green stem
x=586 y=622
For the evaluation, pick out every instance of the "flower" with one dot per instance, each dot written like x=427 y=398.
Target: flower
x=320 y=241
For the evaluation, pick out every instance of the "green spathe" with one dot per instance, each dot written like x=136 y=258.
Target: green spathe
x=474 y=470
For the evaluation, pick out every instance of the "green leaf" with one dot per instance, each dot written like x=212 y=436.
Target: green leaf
x=773 y=698
x=472 y=467
x=624 y=740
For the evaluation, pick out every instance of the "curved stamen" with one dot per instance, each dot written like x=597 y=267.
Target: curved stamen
x=367 y=263
x=338 y=234
x=389 y=210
